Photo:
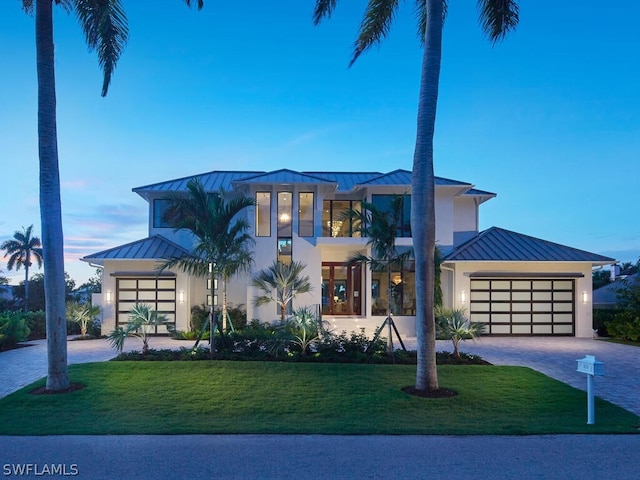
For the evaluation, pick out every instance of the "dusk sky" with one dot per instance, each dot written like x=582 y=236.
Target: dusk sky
x=549 y=119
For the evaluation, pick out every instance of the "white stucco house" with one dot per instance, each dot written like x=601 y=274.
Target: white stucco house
x=516 y=284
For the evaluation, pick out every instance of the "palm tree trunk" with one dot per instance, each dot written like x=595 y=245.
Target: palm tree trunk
x=26 y=287
x=50 y=205
x=423 y=202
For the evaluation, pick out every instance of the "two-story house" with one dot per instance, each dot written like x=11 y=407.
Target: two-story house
x=516 y=284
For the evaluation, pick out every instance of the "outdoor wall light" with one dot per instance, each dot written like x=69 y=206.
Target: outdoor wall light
x=181 y=296
x=463 y=296
x=585 y=297
x=108 y=296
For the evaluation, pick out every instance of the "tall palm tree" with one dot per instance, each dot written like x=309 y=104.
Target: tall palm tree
x=222 y=247
x=380 y=227
x=497 y=18
x=20 y=251
x=105 y=28
x=281 y=283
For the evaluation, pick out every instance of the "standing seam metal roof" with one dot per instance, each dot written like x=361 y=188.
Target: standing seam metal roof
x=155 y=247
x=497 y=244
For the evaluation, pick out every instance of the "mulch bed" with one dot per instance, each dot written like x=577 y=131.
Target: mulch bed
x=73 y=387
x=439 y=393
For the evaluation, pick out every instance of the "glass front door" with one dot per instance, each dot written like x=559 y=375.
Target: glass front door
x=341 y=288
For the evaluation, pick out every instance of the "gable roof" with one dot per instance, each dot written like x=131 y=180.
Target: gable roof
x=499 y=245
x=153 y=248
x=283 y=176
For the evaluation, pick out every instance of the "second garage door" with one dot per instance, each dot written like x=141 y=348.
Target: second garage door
x=521 y=306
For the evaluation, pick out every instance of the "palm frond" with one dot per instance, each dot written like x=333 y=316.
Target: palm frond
x=323 y=8
x=104 y=23
x=199 y=3
x=377 y=20
x=498 y=17
x=421 y=17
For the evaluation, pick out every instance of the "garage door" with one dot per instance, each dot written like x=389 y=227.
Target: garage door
x=158 y=293
x=523 y=306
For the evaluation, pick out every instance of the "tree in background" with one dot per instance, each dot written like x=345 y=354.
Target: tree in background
x=21 y=251
x=497 y=17
x=105 y=28
x=37 y=293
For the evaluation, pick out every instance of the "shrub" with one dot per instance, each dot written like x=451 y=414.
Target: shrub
x=199 y=315
x=625 y=326
x=13 y=329
x=601 y=316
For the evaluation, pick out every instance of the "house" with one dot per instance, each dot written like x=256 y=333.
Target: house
x=607 y=296
x=516 y=284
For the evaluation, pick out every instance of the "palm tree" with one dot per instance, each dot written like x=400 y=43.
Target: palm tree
x=380 y=227
x=497 y=17
x=83 y=314
x=20 y=251
x=281 y=283
x=105 y=27
x=222 y=246
x=142 y=320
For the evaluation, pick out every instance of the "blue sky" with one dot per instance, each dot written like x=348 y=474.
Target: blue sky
x=549 y=119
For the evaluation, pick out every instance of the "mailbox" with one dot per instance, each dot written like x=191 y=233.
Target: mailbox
x=590 y=365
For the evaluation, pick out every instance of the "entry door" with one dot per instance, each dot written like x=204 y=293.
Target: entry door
x=341 y=288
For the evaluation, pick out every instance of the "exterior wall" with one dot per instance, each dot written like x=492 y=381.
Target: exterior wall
x=465 y=219
x=583 y=311
x=183 y=283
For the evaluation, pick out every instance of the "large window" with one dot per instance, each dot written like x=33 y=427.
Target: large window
x=383 y=203
x=334 y=221
x=285 y=209
x=263 y=214
x=305 y=214
x=403 y=291
x=341 y=285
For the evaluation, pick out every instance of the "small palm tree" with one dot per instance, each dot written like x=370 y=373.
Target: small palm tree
x=452 y=324
x=82 y=313
x=303 y=329
x=21 y=251
x=142 y=320
x=281 y=283
x=381 y=227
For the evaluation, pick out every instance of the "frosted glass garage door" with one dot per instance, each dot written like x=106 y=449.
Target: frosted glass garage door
x=158 y=293
x=523 y=306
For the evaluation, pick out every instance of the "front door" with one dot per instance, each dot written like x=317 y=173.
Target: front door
x=341 y=288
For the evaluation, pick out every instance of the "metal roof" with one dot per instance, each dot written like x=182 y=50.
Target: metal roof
x=284 y=176
x=346 y=181
x=152 y=248
x=499 y=245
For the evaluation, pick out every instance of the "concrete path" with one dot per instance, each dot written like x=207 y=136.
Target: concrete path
x=553 y=356
x=315 y=457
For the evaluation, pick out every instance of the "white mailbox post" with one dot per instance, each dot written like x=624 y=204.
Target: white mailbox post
x=591 y=367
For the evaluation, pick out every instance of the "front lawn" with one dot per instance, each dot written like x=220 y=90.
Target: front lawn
x=269 y=397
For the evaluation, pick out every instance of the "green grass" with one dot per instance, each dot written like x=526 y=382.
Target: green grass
x=270 y=397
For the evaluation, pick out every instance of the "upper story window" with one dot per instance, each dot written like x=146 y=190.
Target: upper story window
x=263 y=214
x=305 y=214
x=285 y=212
x=383 y=203
x=334 y=221
x=161 y=213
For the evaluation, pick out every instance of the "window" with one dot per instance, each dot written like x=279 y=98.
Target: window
x=305 y=214
x=341 y=284
x=263 y=214
x=284 y=214
x=403 y=295
x=383 y=203
x=333 y=218
x=161 y=213
x=284 y=250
